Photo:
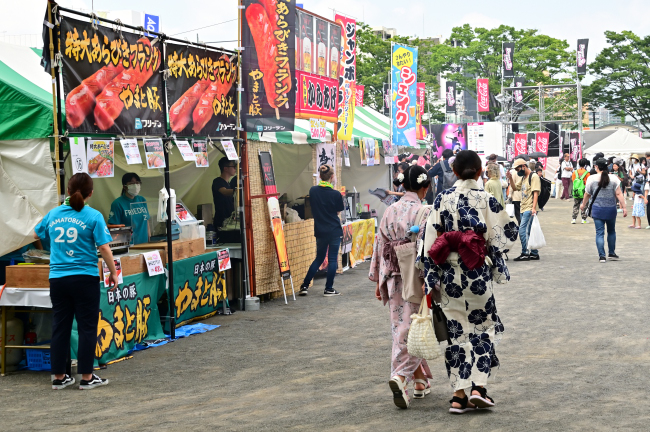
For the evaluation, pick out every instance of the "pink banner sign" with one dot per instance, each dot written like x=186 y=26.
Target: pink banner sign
x=541 y=145
x=358 y=90
x=520 y=144
x=483 y=94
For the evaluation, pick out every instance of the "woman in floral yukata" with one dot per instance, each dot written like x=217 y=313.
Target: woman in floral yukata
x=395 y=229
x=467 y=233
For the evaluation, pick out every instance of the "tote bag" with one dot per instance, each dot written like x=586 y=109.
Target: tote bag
x=406 y=255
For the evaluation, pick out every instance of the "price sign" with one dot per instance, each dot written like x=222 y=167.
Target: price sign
x=107 y=273
x=224 y=259
x=317 y=128
x=154 y=263
x=229 y=149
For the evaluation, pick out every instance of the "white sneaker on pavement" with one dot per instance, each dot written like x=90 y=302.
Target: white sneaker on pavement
x=573 y=221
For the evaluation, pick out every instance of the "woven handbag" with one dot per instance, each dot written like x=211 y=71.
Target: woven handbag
x=422 y=341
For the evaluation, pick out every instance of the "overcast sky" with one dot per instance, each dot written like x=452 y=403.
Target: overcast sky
x=564 y=19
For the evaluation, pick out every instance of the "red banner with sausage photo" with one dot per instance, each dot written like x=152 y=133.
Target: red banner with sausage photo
x=268 y=65
x=201 y=91
x=111 y=80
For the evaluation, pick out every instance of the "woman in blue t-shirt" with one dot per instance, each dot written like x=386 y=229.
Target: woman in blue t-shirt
x=130 y=209
x=75 y=232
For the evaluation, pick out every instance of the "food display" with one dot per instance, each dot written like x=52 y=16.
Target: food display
x=100 y=155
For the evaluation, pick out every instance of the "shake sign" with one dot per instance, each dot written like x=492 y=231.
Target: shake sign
x=483 y=94
x=404 y=77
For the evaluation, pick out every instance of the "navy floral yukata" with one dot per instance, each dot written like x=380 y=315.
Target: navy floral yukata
x=467 y=295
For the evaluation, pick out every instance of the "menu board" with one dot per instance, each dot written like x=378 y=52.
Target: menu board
x=306 y=41
x=476 y=137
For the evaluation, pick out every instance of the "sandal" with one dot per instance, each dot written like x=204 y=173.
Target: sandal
x=420 y=394
x=463 y=405
x=482 y=400
x=400 y=396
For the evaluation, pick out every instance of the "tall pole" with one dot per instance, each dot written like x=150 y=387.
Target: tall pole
x=579 y=91
x=55 y=123
x=170 y=252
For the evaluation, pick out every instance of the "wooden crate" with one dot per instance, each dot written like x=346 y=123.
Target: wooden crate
x=181 y=249
x=28 y=276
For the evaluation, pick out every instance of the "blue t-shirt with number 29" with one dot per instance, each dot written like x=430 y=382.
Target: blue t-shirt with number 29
x=74 y=237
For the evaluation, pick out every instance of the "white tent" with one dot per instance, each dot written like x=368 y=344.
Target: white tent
x=620 y=144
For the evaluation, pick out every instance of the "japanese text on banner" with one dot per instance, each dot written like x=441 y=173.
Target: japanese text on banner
x=347 y=77
x=404 y=66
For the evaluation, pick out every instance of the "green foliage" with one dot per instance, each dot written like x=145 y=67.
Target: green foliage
x=622 y=72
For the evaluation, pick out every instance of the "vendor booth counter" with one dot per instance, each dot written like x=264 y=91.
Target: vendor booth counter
x=130 y=314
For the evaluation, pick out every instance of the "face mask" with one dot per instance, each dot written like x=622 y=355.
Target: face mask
x=521 y=173
x=133 y=189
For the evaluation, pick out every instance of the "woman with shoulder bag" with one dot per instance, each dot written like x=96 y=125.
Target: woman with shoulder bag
x=396 y=229
x=466 y=237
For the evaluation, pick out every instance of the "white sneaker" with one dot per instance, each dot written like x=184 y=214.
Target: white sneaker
x=573 y=221
x=585 y=221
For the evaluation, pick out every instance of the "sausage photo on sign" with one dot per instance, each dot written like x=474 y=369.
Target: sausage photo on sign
x=266 y=46
x=180 y=112
x=216 y=90
x=109 y=106
x=81 y=100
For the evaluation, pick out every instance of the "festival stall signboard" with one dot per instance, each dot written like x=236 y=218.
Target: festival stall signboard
x=111 y=81
x=451 y=136
x=201 y=91
x=347 y=76
x=317 y=97
x=542 y=145
x=321 y=48
x=521 y=144
x=268 y=65
x=404 y=69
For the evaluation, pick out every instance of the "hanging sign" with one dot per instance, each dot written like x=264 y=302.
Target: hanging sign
x=581 y=56
x=131 y=151
x=576 y=146
x=335 y=50
x=510 y=146
x=521 y=146
x=386 y=98
x=404 y=67
x=201 y=91
x=532 y=142
x=278 y=235
x=317 y=129
x=153 y=152
x=111 y=80
x=154 y=263
x=358 y=97
x=229 y=149
x=390 y=152
x=100 y=154
x=347 y=77
x=268 y=176
x=450 y=97
x=200 y=148
x=483 y=94
x=326 y=155
x=541 y=145
x=268 y=65
x=317 y=97
x=508 y=50
x=421 y=132
x=224 y=259
x=78 y=155
x=186 y=150
x=518 y=95
x=107 y=273
x=346 y=153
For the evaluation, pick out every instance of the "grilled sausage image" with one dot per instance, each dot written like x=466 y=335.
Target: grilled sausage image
x=180 y=113
x=81 y=100
x=216 y=90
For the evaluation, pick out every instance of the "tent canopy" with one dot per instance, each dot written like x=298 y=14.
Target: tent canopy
x=621 y=144
x=25 y=94
x=368 y=123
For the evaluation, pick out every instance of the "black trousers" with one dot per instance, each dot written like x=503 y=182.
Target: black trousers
x=74 y=297
x=517 y=212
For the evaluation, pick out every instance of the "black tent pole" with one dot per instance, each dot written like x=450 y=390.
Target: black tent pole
x=170 y=252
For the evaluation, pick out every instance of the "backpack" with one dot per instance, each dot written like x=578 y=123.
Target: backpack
x=544 y=193
x=579 y=186
x=448 y=176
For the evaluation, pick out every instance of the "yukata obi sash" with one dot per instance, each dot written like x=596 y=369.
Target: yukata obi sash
x=467 y=245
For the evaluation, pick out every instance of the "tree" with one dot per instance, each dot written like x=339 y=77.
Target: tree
x=622 y=73
x=374 y=63
x=477 y=51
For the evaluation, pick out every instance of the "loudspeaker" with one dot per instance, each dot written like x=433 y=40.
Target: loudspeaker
x=515 y=128
x=553 y=139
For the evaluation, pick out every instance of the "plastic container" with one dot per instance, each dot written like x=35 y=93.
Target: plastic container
x=38 y=359
x=15 y=334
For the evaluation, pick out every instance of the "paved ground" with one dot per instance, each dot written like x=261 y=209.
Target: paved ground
x=574 y=357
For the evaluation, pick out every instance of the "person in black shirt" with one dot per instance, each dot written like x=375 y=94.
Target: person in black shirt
x=326 y=203
x=223 y=191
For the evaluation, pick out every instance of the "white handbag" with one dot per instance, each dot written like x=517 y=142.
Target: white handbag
x=422 y=341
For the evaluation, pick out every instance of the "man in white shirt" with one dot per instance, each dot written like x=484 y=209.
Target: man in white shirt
x=566 y=168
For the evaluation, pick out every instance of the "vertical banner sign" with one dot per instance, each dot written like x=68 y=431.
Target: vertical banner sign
x=78 y=155
x=542 y=145
x=518 y=95
x=532 y=142
x=387 y=98
x=321 y=46
x=358 y=97
x=306 y=41
x=576 y=146
x=268 y=176
x=421 y=133
x=404 y=69
x=326 y=154
x=483 y=94
x=510 y=146
x=508 y=50
x=278 y=235
x=450 y=97
x=268 y=65
x=335 y=50
x=111 y=81
x=347 y=76
x=581 y=56
x=201 y=90
x=521 y=146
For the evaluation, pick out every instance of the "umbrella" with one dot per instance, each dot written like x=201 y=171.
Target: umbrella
x=501 y=159
x=537 y=155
